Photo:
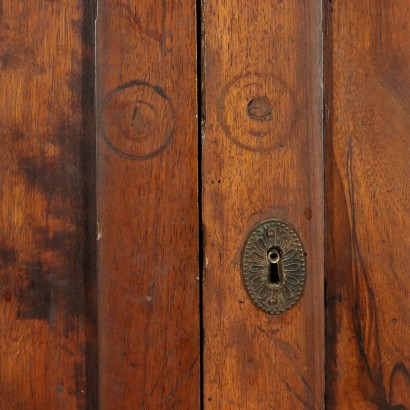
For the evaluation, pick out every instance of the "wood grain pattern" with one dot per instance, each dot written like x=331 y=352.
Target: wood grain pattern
x=262 y=159
x=47 y=258
x=367 y=212
x=147 y=190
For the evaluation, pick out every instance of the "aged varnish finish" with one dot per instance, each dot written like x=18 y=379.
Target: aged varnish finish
x=47 y=246
x=262 y=159
x=204 y=204
x=367 y=214
x=147 y=190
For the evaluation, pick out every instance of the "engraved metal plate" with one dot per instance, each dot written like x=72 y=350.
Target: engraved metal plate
x=274 y=266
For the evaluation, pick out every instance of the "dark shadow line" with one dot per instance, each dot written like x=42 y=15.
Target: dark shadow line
x=200 y=58
x=89 y=172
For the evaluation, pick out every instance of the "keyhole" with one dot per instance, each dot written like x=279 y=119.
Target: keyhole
x=274 y=259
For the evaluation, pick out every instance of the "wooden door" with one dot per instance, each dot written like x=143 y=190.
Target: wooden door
x=143 y=143
x=256 y=167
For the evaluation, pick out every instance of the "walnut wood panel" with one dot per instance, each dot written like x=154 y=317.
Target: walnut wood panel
x=368 y=224
x=47 y=258
x=262 y=159
x=147 y=181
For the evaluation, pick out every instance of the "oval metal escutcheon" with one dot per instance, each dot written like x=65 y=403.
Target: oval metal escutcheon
x=274 y=266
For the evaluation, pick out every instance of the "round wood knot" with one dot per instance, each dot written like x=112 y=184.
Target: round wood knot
x=137 y=120
x=257 y=111
x=260 y=109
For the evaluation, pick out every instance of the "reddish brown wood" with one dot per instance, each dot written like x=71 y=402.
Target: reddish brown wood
x=47 y=284
x=270 y=52
x=367 y=240
x=262 y=159
x=148 y=205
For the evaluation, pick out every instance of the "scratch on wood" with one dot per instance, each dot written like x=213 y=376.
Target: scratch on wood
x=296 y=395
x=286 y=349
x=181 y=380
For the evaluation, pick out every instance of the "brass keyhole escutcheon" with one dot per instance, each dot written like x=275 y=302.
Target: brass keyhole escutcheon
x=274 y=266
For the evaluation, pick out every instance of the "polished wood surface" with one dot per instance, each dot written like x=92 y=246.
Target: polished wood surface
x=47 y=254
x=147 y=191
x=262 y=159
x=112 y=201
x=367 y=215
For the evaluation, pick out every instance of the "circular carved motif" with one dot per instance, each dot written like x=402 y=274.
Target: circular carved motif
x=274 y=266
x=137 y=120
x=257 y=111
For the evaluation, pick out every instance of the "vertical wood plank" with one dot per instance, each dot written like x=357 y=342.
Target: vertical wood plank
x=47 y=283
x=256 y=169
x=147 y=199
x=367 y=211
